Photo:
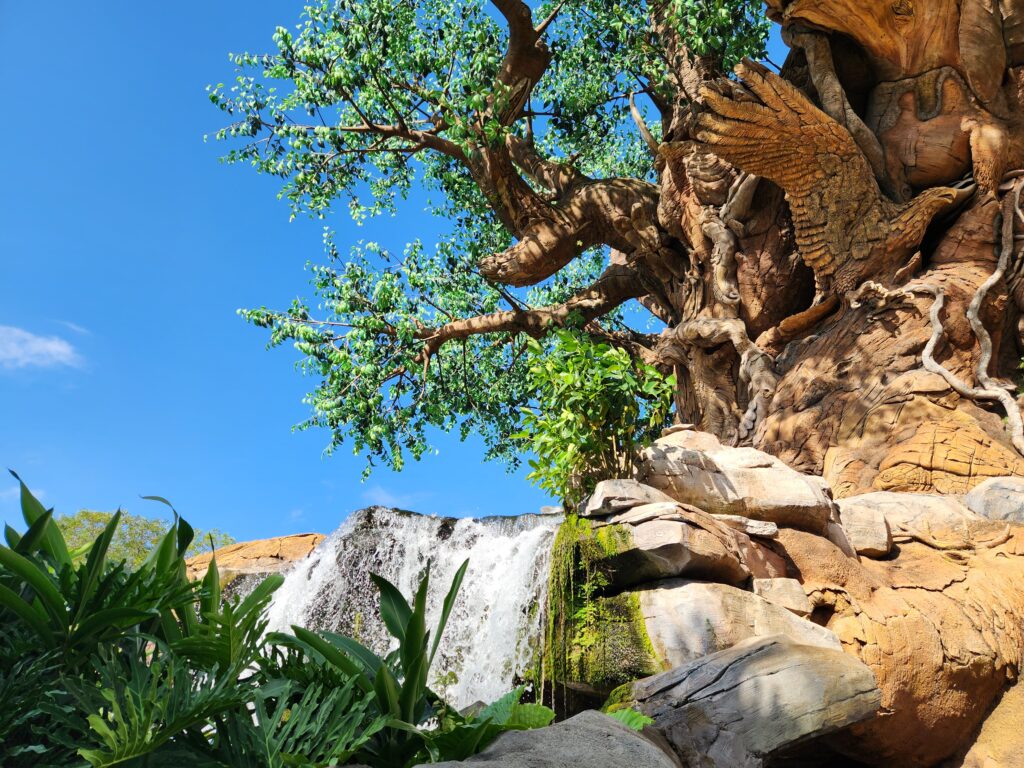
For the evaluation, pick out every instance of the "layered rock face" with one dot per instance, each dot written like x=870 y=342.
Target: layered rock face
x=254 y=560
x=883 y=627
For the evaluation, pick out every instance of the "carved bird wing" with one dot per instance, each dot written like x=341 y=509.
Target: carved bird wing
x=845 y=228
x=831 y=190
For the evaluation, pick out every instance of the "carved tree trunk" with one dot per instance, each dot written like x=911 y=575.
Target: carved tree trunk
x=851 y=299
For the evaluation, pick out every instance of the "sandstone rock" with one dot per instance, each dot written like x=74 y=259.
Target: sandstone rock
x=736 y=707
x=686 y=620
x=999 y=498
x=761 y=528
x=939 y=623
x=256 y=558
x=694 y=468
x=611 y=496
x=761 y=560
x=1000 y=742
x=785 y=593
x=590 y=739
x=866 y=528
x=837 y=535
x=664 y=510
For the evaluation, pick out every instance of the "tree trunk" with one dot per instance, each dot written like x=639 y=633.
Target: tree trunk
x=825 y=216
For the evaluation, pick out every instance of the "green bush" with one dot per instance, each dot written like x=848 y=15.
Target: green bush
x=103 y=665
x=596 y=406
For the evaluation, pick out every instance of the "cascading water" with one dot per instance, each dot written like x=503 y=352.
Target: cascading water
x=495 y=629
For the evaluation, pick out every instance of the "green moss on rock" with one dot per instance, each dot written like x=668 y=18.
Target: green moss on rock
x=593 y=637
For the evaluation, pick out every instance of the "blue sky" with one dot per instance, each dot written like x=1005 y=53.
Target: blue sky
x=126 y=249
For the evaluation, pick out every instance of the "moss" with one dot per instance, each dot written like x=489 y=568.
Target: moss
x=620 y=698
x=593 y=637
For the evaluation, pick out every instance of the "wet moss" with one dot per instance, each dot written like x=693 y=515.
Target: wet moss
x=593 y=637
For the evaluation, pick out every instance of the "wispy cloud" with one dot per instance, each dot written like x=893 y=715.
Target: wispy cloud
x=21 y=349
x=380 y=496
x=296 y=514
x=81 y=330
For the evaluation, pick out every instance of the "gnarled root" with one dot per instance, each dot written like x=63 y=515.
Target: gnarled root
x=756 y=368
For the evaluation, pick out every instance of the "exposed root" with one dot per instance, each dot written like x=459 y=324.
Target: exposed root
x=990 y=389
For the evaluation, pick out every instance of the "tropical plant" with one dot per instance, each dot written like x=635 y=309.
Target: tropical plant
x=106 y=665
x=595 y=407
x=420 y=726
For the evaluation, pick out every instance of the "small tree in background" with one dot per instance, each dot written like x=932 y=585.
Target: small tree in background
x=135 y=535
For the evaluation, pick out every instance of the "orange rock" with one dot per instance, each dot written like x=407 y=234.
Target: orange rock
x=262 y=556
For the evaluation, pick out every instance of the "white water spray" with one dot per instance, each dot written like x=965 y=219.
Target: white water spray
x=495 y=630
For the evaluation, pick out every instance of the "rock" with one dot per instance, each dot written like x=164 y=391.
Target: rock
x=940 y=625
x=837 y=535
x=550 y=510
x=785 y=593
x=760 y=528
x=1000 y=498
x=686 y=620
x=915 y=514
x=695 y=468
x=665 y=540
x=736 y=707
x=761 y=560
x=590 y=739
x=255 y=558
x=866 y=528
x=611 y=496
x=1000 y=742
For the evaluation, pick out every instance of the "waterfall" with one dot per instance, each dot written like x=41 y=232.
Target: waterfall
x=495 y=631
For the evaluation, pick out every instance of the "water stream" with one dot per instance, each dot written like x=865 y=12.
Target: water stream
x=495 y=630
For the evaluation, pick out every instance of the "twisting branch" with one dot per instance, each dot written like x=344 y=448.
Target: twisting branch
x=989 y=389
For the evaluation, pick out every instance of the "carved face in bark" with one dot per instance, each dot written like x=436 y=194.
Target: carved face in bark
x=901 y=37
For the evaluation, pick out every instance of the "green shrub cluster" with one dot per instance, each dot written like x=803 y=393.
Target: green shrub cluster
x=102 y=664
x=596 y=406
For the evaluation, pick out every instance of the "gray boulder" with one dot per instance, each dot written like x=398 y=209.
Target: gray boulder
x=689 y=619
x=734 y=708
x=590 y=739
x=998 y=498
x=865 y=525
x=695 y=468
x=612 y=496
x=785 y=593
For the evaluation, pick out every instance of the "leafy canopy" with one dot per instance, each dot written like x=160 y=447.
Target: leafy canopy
x=364 y=99
x=135 y=535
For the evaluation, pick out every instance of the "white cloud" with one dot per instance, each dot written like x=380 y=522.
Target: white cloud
x=296 y=514
x=79 y=329
x=21 y=349
x=382 y=497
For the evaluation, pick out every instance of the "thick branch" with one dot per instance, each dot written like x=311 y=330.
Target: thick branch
x=616 y=286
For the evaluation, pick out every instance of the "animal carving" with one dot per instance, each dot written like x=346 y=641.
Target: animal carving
x=847 y=231
x=943 y=104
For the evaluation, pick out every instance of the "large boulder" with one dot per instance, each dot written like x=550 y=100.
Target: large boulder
x=590 y=739
x=695 y=468
x=866 y=527
x=611 y=496
x=999 y=498
x=736 y=707
x=689 y=619
x=255 y=558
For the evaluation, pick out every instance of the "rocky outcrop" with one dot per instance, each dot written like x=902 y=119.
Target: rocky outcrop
x=686 y=620
x=734 y=708
x=255 y=558
x=696 y=469
x=999 y=498
x=925 y=591
x=590 y=739
x=866 y=526
x=611 y=496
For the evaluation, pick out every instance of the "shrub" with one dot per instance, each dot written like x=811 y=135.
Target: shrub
x=595 y=407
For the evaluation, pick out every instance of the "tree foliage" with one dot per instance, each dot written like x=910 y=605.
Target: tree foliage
x=505 y=112
x=595 y=407
x=135 y=535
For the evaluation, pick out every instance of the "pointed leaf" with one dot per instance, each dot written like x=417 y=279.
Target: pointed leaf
x=394 y=609
x=446 y=609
